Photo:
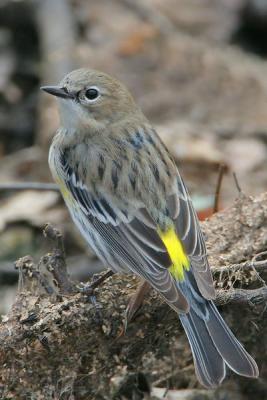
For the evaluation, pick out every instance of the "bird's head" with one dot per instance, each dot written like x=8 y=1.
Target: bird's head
x=92 y=99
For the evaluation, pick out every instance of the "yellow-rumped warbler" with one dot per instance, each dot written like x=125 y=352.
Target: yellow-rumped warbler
x=126 y=196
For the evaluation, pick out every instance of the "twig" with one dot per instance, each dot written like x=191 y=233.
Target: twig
x=29 y=186
x=55 y=236
x=50 y=275
x=54 y=264
x=245 y=266
x=222 y=169
x=102 y=279
x=135 y=302
x=237 y=183
x=241 y=296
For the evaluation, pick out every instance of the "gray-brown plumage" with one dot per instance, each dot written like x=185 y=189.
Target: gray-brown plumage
x=126 y=196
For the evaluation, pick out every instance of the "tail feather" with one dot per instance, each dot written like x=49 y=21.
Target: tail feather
x=213 y=345
x=209 y=365
x=232 y=351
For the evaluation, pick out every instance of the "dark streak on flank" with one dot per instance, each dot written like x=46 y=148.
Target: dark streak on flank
x=155 y=171
x=101 y=167
x=168 y=172
x=150 y=139
x=132 y=180
x=84 y=171
x=161 y=155
x=134 y=167
x=148 y=151
x=123 y=153
x=133 y=174
x=120 y=144
x=163 y=159
x=139 y=137
x=114 y=173
x=136 y=140
x=138 y=159
x=117 y=164
x=114 y=177
x=165 y=164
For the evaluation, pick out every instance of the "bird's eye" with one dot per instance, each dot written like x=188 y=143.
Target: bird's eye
x=92 y=94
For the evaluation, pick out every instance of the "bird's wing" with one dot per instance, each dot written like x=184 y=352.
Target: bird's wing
x=189 y=232
x=131 y=241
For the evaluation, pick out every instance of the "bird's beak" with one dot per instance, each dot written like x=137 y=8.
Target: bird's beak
x=58 y=91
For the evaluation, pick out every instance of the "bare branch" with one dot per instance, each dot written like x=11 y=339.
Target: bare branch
x=242 y=296
x=222 y=170
x=237 y=183
x=245 y=266
x=29 y=186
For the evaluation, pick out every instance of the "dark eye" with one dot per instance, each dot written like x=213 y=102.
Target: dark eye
x=91 y=93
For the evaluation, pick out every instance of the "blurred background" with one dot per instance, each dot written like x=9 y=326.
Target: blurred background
x=197 y=68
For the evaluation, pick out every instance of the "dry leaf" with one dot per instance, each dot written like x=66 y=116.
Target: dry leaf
x=27 y=206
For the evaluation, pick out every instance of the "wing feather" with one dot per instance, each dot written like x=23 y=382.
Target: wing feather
x=189 y=231
x=132 y=241
x=123 y=241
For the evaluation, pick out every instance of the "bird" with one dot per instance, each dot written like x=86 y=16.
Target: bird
x=126 y=196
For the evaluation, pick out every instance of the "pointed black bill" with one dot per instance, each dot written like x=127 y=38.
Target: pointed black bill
x=57 y=91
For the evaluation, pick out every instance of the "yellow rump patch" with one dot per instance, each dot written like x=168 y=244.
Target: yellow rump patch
x=180 y=261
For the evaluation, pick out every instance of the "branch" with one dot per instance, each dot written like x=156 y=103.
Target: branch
x=242 y=297
x=260 y=266
x=222 y=170
x=29 y=186
x=50 y=275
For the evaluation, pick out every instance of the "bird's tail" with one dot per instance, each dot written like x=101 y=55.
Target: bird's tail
x=214 y=346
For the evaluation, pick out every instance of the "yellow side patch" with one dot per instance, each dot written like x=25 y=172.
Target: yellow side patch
x=179 y=259
x=64 y=190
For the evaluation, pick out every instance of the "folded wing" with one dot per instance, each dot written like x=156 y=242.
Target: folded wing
x=123 y=241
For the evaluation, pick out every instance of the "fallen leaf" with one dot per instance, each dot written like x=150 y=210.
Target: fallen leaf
x=27 y=206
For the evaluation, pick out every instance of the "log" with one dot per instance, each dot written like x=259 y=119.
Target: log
x=59 y=342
